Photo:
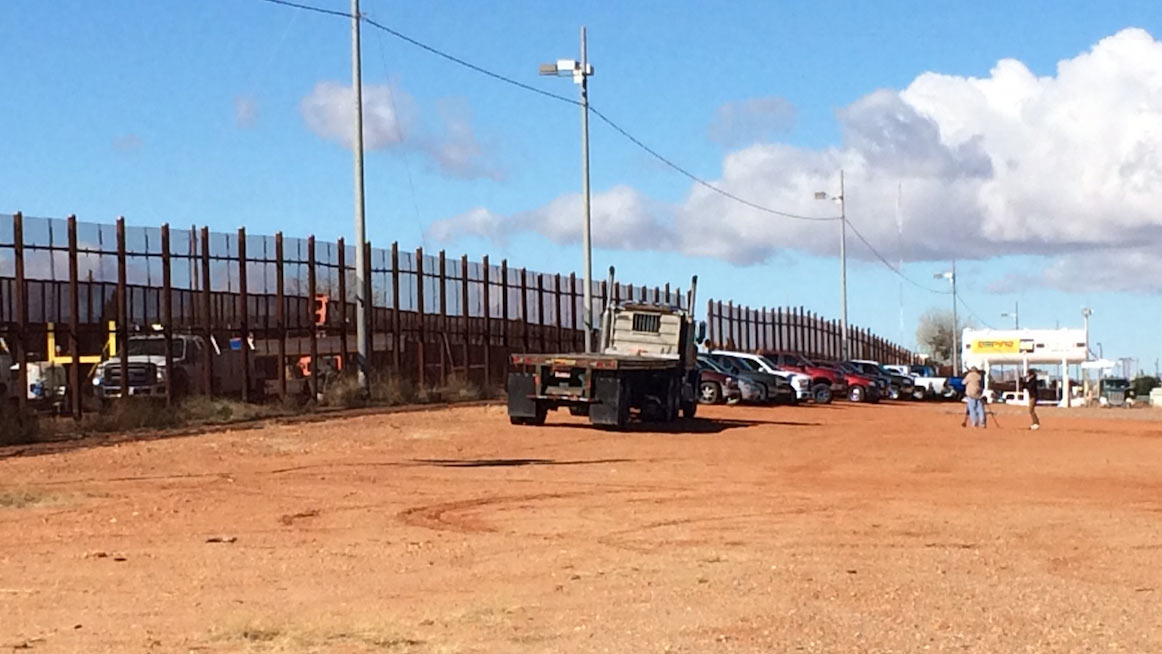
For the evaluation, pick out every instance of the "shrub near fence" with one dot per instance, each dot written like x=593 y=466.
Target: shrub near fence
x=431 y=317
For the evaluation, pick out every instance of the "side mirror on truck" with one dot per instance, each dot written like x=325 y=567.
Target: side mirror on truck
x=701 y=331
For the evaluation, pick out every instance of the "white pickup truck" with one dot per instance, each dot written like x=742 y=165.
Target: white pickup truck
x=928 y=384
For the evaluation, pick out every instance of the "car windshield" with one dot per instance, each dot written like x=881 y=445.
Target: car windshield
x=711 y=364
x=749 y=364
x=154 y=347
x=770 y=364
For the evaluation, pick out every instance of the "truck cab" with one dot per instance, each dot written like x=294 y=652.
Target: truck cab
x=148 y=372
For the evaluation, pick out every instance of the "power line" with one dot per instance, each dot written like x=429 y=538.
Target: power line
x=606 y=119
x=972 y=313
x=889 y=266
x=320 y=10
x=471 y=66
x=698 y=180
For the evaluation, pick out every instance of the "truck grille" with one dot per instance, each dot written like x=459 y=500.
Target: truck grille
x=140 y=374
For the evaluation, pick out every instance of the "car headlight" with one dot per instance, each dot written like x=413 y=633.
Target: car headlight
x=96 y=380
x=160 y=374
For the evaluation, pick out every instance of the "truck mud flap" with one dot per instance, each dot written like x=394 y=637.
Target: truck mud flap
x=520 y=386
x=611 y=408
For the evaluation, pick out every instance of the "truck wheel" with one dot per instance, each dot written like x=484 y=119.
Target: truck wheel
x=709 y=393
x=689 y=409
x=856 y=394
x=821 y=393
x=536 y=421
x=764 y=394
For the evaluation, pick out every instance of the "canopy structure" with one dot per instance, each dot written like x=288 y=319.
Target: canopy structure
x=984 y=348
x=1099 y=364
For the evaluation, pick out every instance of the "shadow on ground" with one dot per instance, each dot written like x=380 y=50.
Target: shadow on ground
x=505 y=463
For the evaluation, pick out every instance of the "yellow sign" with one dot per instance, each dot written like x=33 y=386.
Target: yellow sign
x=1001 y=346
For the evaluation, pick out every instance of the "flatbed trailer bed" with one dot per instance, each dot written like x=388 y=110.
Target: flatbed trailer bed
x=597 y=361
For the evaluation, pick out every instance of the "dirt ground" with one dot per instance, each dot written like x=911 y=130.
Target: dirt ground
x=787 y=529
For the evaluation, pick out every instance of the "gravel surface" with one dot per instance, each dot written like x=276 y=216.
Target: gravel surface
x=834 y=528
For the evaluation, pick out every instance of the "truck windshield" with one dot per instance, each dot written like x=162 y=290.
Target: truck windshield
x=1117 y=384
x=712 y=365
x=155 y=347
x=748 y=364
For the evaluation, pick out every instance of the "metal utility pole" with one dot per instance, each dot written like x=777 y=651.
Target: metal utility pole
x=955 y=326
x=581 y=72
x=584 y=83
x=843 y=264
x=1015 y=315
x=841 y=200
x=951 y=276
x=1086 y=312
x=360 y=221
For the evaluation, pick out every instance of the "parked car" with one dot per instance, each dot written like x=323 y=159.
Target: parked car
x=900 y=386
x=882 y=377
x=773 y=387
x=929 y=383
x=716 y=386
x=757 y=363
x=826 y=382
x=860 y=387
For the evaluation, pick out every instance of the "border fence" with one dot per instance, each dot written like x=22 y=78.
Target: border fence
x=71 y=289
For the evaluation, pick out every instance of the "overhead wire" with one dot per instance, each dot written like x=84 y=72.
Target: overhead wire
x=617 y=128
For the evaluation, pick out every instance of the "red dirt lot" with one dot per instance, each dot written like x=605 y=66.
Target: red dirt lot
x=788 y=529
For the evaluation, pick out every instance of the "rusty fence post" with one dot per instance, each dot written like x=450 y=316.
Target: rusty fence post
x=312 y=293
x=243 y=315
x=21 y=313
x=167 y=312
x=504 y=304
x=421 y=331
x=75 y=323
x=396 y=338
x=122 y=310
x=280 y=312
x=466 y=322
x=487 y=305
x=207 y=318
x=342 y=263
x=443 y=319
x=524 y=308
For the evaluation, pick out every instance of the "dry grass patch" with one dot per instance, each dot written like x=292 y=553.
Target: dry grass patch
x=267 y=636
x=19 y=498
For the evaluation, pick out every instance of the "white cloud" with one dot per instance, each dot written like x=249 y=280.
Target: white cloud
x=756 y=119
x=391 y=119
x=1112 y=270
x=127 y=143
x=621 y=219
x=245 y=111
x=1010 y=163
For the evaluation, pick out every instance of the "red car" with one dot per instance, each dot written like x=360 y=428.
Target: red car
x=860 y=388
x=826 y=382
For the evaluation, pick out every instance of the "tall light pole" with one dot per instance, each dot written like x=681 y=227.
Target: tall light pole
x=361 y=344
x=1015 y=314
x=839 y=199
x=581 y=72
x=951 y=276
x=1086 y=312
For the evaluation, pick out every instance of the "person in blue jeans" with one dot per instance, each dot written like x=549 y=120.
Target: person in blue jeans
x=974 y=395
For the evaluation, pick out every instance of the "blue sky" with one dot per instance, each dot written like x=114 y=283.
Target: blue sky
x=195 y=112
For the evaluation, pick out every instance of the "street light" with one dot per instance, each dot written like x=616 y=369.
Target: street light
x=839 y=199
x=1086 y=312
x=580 y=72
x=1015 y=314
x=951 y=276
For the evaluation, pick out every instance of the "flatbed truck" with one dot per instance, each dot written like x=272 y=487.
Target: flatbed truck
x=645 y=367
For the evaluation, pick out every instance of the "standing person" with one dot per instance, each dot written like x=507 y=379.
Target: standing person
x=974 y=394
x=1030 y=384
